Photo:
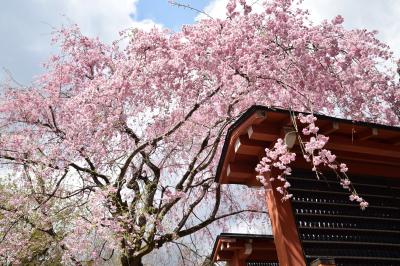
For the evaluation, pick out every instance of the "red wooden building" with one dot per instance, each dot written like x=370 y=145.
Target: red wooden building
x=319 y=224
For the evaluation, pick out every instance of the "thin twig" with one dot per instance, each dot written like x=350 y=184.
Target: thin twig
x=174 y=3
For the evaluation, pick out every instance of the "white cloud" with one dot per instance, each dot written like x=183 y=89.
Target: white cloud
x=26 y=26
x=382 y=16
x=146 y=24
x=216 y=9
x=103 y=18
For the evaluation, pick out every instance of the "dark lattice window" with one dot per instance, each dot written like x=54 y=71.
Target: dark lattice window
x=329 y=225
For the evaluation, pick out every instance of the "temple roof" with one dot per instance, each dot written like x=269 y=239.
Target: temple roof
x=366 y=147
x=250 y=246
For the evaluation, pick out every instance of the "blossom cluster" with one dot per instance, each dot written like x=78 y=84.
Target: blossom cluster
x=279 y=158
x=314 y=152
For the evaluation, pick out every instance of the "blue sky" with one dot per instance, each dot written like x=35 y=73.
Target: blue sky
x=172 y=17
x=26 y=25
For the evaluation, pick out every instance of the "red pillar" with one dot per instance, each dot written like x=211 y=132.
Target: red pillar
x=287 y=242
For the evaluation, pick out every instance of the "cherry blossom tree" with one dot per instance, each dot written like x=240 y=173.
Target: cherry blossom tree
x=112 y=152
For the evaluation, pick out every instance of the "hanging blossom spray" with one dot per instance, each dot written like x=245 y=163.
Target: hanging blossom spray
x=279 y=157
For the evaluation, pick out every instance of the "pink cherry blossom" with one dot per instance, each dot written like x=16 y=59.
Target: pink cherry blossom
x=115 y=146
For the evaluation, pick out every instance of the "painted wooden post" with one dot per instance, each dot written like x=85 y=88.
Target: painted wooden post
x=286 y=238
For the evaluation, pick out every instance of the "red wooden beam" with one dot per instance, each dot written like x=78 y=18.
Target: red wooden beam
x=364 y=147
x=331 y=127
x=241 y=169
x=244 y=145
x=368 y=133
x=263 y=132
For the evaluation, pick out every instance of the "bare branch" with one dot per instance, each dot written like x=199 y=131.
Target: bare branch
x=174 y=3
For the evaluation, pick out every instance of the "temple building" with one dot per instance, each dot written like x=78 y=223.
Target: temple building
x=319 y=225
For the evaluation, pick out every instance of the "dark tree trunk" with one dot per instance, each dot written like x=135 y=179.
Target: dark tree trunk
x=128 y=260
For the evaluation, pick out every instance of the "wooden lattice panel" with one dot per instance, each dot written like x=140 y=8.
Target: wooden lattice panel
x=329 y=225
